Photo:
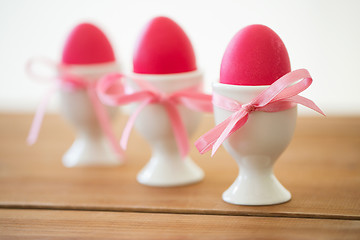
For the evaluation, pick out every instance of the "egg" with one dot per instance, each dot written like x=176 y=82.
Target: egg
x=87 y=44
x=255 y=56
x=163 y=48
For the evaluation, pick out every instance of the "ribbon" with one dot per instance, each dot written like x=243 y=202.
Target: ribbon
x=279 y=96
x=72 y=83
x=188 y=97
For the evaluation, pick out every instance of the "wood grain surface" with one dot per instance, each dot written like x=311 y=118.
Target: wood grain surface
x=45 y=224
x=321 y=168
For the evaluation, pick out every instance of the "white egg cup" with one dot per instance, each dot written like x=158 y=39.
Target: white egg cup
x=255 y=147
x=166 y=167
x=91 y=147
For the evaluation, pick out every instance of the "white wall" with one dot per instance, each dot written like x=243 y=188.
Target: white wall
x=321 y=35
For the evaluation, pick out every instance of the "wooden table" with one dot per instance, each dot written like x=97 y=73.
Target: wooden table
x=41 y=199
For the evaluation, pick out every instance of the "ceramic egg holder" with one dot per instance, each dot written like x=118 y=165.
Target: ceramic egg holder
x=166 y=167
x=91 y=147
x=255 y=148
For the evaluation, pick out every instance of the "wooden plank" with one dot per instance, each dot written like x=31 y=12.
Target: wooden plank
x=44 y=224
x=321 y=168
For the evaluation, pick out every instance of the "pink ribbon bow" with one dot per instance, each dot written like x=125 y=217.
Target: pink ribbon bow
x=279 y=96
x=189 y=97
x=72 y=83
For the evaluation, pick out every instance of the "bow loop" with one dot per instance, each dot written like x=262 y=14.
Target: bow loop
x=42 y=69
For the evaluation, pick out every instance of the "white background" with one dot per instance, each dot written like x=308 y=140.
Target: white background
x=321 y=35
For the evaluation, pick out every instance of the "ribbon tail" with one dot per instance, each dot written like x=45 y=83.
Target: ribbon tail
x=39 y=116
x=130 y=123
x=236 y=122
x=307 y=103
x=216 y=136
x=178 y=127
x=104 y=120
x=206 y=141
